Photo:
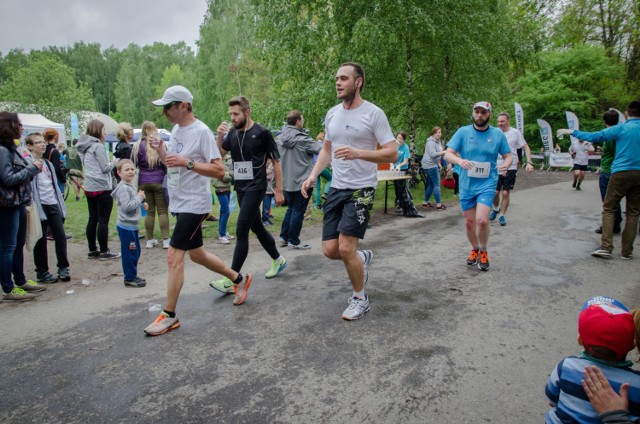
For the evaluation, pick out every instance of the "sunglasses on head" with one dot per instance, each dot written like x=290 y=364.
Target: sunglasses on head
x=170 y=105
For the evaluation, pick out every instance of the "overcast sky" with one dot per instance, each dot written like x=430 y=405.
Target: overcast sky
x=33 y=24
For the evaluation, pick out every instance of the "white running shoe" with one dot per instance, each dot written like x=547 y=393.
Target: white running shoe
x=151 y=243
x=356 y=309
x=165 y=243
x=223 y=240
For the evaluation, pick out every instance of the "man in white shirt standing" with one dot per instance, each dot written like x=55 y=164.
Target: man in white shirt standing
x=353 y=129
x=192 y=158
x=506 y=183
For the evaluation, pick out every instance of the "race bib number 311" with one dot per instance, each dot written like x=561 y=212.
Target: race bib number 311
x=480 y=170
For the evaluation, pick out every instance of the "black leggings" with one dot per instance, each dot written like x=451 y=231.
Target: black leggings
x=249 y=219
x=100 y=207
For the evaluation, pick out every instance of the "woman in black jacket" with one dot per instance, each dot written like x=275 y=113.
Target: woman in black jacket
x=15 y=194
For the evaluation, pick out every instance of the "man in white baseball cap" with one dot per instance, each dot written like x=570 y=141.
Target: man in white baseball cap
x=478 y=146
x=192 y=158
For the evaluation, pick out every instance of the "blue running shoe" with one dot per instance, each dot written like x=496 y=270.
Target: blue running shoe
x=502 y=221
x=492 y=215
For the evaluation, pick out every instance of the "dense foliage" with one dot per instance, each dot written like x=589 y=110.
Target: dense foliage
x=426 y=62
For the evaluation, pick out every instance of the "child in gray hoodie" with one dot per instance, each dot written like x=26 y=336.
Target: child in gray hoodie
x=128 y=204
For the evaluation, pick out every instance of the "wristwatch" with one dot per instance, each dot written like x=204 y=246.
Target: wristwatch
x=190 y=165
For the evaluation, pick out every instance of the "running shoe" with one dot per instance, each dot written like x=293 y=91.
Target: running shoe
x=601 y=253
x=223 y=240
x=502 y=221
x=282 y=242
x=109 y=255
x=137 y=283
x=151 y=243
x=230 y=237
x=483 y=262
x=356 y=309
x=32 y=287
x=223 y=285
x=241 y=290
x=473 y=257
x=165 y=243
x=63 y=274
x=94 y=254
x=627 y=257
x=492 y=214
x=301 y=246
x=18 y=294
x=368 y=257
x=277 y=266
x=162 y=324
x=47 y=278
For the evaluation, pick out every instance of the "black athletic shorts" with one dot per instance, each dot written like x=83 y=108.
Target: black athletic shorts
x=507 y=182
x=580 y=167
x=347 y=211
x=187 y=234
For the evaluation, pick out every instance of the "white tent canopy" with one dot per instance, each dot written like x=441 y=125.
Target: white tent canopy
x=34 y=122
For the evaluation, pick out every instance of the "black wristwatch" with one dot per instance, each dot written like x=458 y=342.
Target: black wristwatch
x=190 y=165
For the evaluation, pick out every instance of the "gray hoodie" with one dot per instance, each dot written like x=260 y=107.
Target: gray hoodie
x=128 y=204
x=432 y=149
x=296 y=155
x=97 y=168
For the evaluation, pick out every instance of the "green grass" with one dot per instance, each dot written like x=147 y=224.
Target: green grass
x=77 y=214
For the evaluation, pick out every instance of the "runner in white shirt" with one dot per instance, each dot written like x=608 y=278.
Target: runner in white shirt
x=506 y=183
x=192 y=158
x=580 y=153
x=353 y=129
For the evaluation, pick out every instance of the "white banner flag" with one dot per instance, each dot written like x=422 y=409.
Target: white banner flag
x=621 y=118
x=519 y=118
x=572 y=124
x=545 y=135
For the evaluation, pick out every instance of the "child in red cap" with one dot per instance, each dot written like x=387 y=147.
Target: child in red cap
x=607 y=332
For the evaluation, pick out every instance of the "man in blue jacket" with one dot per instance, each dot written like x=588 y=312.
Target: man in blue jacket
x=624 y=182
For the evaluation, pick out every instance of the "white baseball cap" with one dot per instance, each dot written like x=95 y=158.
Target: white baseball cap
x=483 y=105
x=176 y=93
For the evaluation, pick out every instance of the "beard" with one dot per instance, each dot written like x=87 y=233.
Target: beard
x=481 y=123
x=241 y=124
x=348 y=95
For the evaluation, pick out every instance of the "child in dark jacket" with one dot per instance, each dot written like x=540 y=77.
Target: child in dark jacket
x=129 y=206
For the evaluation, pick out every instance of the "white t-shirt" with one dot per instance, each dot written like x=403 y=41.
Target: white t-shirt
x=516 y=141
x=191 y=193
x=360 y=128
x=45 y=185
x=582 y=152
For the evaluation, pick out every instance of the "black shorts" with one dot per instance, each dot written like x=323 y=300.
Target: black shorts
x=187 y=234
x=347 y=211
x=507 y=182
x=580 y=167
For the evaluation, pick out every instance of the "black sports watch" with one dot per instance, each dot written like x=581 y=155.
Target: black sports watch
x=190 y=165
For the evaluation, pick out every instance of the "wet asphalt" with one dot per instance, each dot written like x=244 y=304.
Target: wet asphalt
x=443 y=342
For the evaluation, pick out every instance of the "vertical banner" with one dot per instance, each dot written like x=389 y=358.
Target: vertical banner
x=519 y=118
x=572 y=124
x=545 y=135
x=621 y=118
x=74 y=126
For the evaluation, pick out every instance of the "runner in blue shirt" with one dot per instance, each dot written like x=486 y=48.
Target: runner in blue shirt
x=478 y=146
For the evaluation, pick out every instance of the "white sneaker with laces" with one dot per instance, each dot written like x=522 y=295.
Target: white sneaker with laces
x=165 y=243
x=223 y=240
x=151 y=243
x=230 y=237
x=356 y=309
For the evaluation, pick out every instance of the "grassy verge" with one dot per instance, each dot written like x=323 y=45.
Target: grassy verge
x=77 y=213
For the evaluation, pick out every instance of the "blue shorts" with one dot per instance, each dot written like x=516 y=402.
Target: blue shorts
x=486 y=198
